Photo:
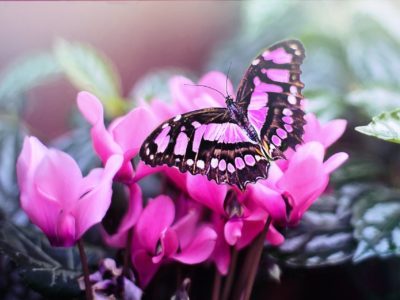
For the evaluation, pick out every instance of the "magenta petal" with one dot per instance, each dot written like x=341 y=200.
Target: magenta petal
x=156 y=217
x=200 y=248
x=233 y=231
x=143 y=170
x=332 y=131
x=249 y=232
x=218 y=81
x=186 y=226
x=92 y=109
x=335 y=161
x=144 y=266
x=65 y=231
x=93 y=205
x=59 y=178
x=183 y=93
x=169 y=245
x=132 y=130
x=274 y=237
x=271 y=200
x=207 y=192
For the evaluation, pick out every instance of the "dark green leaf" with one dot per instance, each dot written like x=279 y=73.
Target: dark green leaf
x=24 y=74
x=376 y=223
x=385 y=126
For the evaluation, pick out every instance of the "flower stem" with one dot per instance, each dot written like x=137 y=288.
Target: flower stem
x=256 y=256
x=127 y=254
x=85 y=268
x=217 y=285
x=231 y=275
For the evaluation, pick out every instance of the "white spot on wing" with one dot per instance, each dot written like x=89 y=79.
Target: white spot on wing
x=177 y=118
x=214 y=163
x=255 y=62
x=164 y=125
x=200 y=164
x=190 y=162
x=292 y=99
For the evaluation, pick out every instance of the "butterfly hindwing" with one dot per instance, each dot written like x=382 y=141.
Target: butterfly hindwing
x=270 y=93
x=206 y=142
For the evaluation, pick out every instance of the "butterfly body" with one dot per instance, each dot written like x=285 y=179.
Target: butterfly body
x=235 y=145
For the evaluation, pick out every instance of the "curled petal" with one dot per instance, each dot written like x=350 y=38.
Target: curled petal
x=334 y=162
x=332 y=131
x=200 y=248
x=233 y=230
x=93 y=205
x=157 y=216
x=274 y=236
x=168 y=245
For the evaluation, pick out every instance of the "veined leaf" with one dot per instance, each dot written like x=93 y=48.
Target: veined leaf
x=376 y=224
x=385 y=126
x=90 y=70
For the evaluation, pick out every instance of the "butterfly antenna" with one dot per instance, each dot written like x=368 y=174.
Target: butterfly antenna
x=209 y=87
x=227 y=77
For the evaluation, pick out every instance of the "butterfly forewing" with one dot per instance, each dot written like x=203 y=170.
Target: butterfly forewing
x=206 y=142
x=270 y=92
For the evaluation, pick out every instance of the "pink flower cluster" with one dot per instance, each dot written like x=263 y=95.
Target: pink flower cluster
x=200 y=221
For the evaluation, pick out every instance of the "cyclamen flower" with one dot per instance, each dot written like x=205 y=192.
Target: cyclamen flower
x=157 y=238
x=55 y=195
x=289 y=193
x=124 y=136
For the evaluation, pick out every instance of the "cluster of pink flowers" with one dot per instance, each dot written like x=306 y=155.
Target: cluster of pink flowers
x=201 y=221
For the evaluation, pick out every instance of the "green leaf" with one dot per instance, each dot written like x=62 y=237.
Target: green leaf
x=48 y=270
x=376 y=223
x=385 y=126
x=324 y=235
x=90 y=70
x=24 y=74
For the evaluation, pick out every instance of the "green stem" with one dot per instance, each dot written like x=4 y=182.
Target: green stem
x=85 y=268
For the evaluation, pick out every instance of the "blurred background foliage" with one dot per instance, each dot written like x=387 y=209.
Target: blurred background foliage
x=351 y=71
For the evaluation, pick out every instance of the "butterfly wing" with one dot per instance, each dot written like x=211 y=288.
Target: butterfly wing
x=206 y=142
x=270 y=93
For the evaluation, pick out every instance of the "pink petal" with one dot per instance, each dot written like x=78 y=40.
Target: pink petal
x=169 y=245
x=207 y=192
x=93 y=205
x=218 y=81
x=156 y=217
x=249 y=232
x=335 y=161
x=271 y=200
x=332 y=131
x=222 y=251
x=132 y=130
x=233 y=231
x=183 y=93
x=144 y=266
x=65 y=231
x=92 y=109
x=143 y=170
x=59 y=178
x=185 y=228
x=200 y=248
x=274 y=236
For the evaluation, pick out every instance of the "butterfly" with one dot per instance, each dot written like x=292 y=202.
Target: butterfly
x=236 y=144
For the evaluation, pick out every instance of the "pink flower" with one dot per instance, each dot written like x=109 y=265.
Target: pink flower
x=289 y=193
x=124 y=136
x=157 y=238
x=119 y=239
x=237 y=218
x=55 y=195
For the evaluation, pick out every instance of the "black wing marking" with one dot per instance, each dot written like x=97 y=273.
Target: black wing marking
x=270 y=93
x=206 y=142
